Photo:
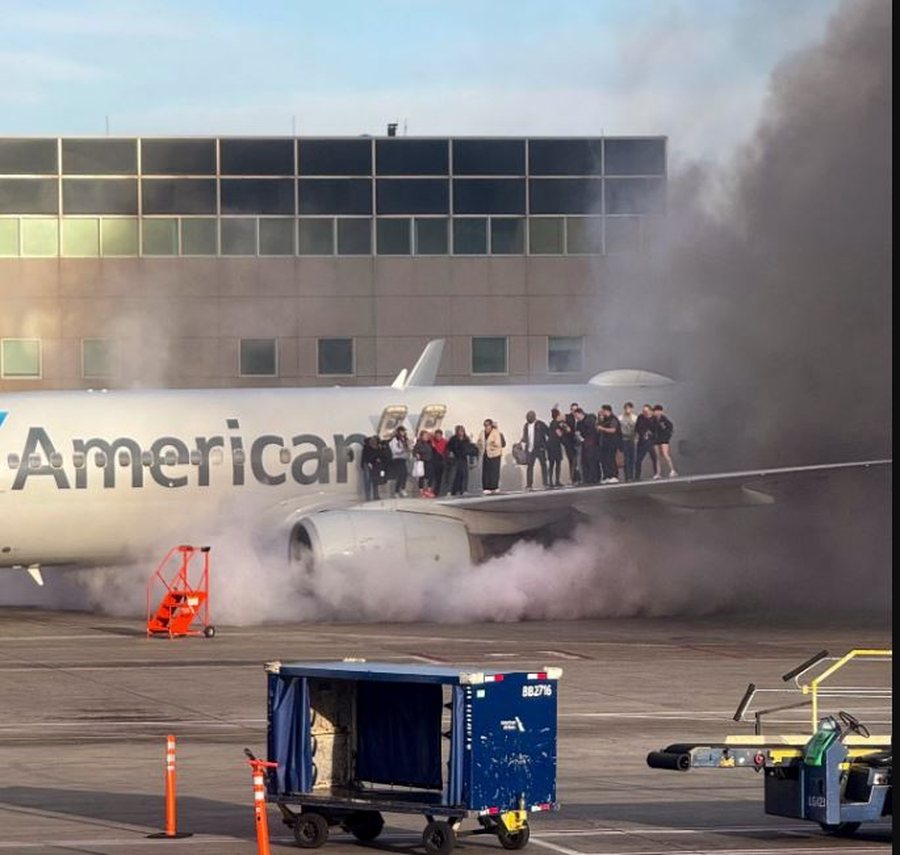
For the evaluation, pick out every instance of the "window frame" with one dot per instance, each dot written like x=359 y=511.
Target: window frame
x=40 y=359
x=473 y=372
x=578 y=370
x=240 y=366
x=352 y=340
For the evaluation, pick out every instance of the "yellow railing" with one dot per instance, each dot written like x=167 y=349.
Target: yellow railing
x=812 y=688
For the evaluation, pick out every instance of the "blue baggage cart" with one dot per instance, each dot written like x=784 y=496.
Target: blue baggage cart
x=353 y=740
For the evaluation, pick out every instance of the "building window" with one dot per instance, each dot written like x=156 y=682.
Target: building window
x=160 y=237
x=40 y=237
x=81 y=237
x=259 y=357
x=28 y=157
x=623 y=235
x=431 y=236
x=29 y=196
x=507 y=236
x=470 y=236
x=336 y=356
x=565 y=354
x=198 y=237
x=96 y=358
x=100 y=196
x=20 y=358
x=317 y=237
x=584 y=235
x=335 y=157
x=393 y=236
x=9 y=237
x=546 y=235
x=99 y=157
x=118 y=237
x=178 y=157
x=276 y=237
x=354 y=237
x=489 y=355
x=238 y=236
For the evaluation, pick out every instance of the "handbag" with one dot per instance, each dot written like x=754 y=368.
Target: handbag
x=520 y=455
x=419 y=469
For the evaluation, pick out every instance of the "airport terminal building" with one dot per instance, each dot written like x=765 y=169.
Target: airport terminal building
x=234 y=261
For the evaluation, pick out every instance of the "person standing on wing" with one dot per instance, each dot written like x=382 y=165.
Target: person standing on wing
x=400 y=452
x=645 y=431
x=628 y=421
x=555 y=433
x=534 y=440
x=491 y=444
x=663 y=438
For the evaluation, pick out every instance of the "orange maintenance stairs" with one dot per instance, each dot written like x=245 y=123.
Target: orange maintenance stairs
x=184 y=607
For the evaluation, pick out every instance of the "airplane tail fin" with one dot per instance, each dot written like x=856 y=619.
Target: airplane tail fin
x=424 y=372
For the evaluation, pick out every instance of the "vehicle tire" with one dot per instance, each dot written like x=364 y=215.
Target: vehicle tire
x=840 y=829
x=365 y=825
x=209 y=631
x=310 y=830
x=439 y=838
x=513 y=839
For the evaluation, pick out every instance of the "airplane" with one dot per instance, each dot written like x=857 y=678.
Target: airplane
x=90 y=478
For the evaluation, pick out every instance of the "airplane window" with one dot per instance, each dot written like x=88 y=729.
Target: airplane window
x=169 y=458
x=56 y=460
x=238 y=456
x=284 y=455
x=12 y=461
x=195 y=458
x=124 y=458
x=99 y=460
x=216 y=457
x=146 y=458
x=78 y=460
x=34 y=461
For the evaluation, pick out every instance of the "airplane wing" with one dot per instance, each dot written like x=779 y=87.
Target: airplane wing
x=726 y=490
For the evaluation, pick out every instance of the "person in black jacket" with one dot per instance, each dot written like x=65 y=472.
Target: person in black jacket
x=610 y=430
x=645 y=433
x=555 y=433
x=586 y=428
x=535 y=435
x=459 y=449
x=572 y=445
x=375 y=461
x=663 y=437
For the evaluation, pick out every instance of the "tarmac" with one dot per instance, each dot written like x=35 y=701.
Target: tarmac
x=86 y=702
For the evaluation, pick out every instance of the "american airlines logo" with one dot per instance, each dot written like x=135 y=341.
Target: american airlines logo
x=174 y=462
x=3 y=415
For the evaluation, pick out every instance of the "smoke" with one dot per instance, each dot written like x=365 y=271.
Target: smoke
x=771 y=294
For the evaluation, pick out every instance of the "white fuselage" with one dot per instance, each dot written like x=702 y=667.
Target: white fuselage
x=92 y=477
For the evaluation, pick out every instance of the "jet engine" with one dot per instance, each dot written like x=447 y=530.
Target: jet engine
x=393 y=536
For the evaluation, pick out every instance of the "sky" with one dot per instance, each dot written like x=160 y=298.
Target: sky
x=696 y=71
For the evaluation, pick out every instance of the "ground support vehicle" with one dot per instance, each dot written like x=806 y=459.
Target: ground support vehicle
x=355 y=740
x=839 y=775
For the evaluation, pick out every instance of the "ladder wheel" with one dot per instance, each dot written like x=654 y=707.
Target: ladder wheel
x=439 y=838
x=840 y=829
x=209 y=631
x=310 y=830
x=512 y=839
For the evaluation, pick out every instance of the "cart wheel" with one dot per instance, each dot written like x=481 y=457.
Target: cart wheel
x=310 y=830
x=513 y=839
x=840 y=829
x=209 y=631
x=365 y=825
x=439 y=838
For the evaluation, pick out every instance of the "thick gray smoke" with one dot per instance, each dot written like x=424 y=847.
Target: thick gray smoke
x=772 y=296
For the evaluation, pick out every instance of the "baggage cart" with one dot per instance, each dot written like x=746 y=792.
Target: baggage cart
x=354 y=740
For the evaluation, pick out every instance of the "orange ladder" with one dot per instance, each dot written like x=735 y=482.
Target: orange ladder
x=184 y=607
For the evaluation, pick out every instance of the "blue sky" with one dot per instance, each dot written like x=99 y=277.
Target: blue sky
x=695 y=70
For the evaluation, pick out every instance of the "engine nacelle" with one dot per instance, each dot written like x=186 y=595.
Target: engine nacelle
x=407 y=538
